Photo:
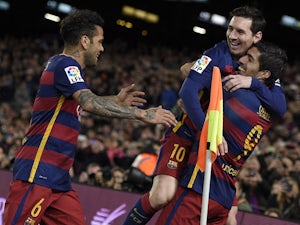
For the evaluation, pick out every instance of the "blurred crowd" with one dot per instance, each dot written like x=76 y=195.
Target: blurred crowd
x=110 y=152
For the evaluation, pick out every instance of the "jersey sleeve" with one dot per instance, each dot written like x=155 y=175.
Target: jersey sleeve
x=69 y=78
x=198 y=79
x=272 y=98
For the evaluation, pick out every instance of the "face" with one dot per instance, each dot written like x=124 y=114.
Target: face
x=249 y=63
x=94 y=48
x=240 y=37
x=118 y=176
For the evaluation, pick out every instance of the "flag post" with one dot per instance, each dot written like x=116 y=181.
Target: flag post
x=206 y=187
x=211 y=136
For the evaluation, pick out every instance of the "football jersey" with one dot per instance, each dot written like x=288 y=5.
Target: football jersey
x=48 y=148
x=245 y=123
x=246 y=120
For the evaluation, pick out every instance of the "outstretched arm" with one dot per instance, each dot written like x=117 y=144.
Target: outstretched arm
x=272 y=98
x=118 y=106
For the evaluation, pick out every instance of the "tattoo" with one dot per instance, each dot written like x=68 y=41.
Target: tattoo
x=150 y=114
x=105 y=106
x=75 y=54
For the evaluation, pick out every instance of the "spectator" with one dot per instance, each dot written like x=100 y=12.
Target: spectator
x=255 y=188
x=4 y=162
x=242 y=203
x=285 y=197
x=117 y=179
x=146 y=159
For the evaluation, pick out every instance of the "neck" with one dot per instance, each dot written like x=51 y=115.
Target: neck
x=72 y=53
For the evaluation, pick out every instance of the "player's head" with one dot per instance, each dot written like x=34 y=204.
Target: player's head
x=83 y=30
x=264 y=60
x=245 y=27
x=79 y=23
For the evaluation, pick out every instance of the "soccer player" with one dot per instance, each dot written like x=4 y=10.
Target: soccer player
x=41 y=191
x=246 y=120
x=245 y=27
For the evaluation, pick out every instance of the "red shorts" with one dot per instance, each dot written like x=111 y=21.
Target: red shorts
x=185 y=208
x=173 y=155
x=29 y=204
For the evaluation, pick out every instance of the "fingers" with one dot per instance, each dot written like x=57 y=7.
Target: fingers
x=232 y=84
x=229 y=83
x=167 y=117
x=162 y=116
x=136 y=101
x=227 y=78
x=137 y=93
x=235 y=82
x=128 y=88
x=223 y=148
x=232 y=87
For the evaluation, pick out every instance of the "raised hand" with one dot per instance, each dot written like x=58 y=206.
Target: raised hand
x=128 y=97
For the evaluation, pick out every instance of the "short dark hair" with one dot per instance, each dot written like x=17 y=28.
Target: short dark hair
x=272 y=58
x=78 y=23
x=258 y=20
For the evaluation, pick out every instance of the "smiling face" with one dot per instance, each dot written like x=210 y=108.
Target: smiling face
x=250 y=65
x=94 y=47
x=240 y=37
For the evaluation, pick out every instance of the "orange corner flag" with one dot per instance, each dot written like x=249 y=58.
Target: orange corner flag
x=212 y=131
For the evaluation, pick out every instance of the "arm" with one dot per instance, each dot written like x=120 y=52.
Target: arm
x=117 y=107
x=272 y=98
x=189 y=95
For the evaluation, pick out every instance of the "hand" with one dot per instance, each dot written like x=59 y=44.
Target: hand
x=234 y=82
x=180 y=104
x=158 y=115
x=277 y=188
x=185 y=68
x=131 y=98
x=223 y=147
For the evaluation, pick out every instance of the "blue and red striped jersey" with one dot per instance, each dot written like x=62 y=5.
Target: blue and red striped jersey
x=200 y=76
x=245 y=123
x=48 y=148
x=246 y=120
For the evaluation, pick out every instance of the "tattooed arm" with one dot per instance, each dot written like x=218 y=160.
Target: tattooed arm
x=114 y=107
x=129 y=97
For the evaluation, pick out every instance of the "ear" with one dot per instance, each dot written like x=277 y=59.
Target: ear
x=257 y=37
x=84 y=41
x=263 y=75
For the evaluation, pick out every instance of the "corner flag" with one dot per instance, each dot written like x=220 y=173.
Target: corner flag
x=212 y=131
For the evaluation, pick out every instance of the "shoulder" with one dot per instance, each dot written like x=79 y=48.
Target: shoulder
x=66 y=65
x=218 y=50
